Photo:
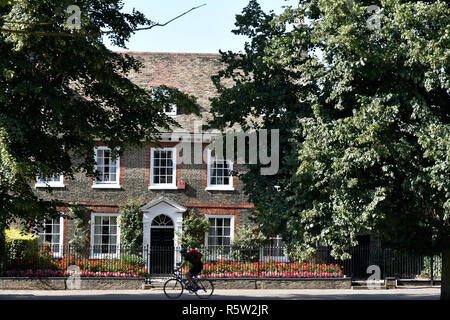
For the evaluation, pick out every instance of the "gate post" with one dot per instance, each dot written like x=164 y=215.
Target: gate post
x=432 y=270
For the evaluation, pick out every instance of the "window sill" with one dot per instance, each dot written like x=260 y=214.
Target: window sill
x=168 y=187
x=50 y=185
x=106 y=186
x=219 y=188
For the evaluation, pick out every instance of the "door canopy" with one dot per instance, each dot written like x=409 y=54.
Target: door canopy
x=162 y=213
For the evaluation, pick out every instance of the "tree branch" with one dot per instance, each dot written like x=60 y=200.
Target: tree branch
x=95 y=34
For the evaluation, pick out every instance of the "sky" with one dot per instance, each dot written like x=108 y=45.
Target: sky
x=204 y=30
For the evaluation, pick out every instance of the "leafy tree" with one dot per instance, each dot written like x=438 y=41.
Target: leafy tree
x=270 y=93
x=61 y=91
x=373 y=157
x=131 y=225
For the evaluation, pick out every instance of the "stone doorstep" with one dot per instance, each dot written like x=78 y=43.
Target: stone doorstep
x=392 y=283
x=417 y=283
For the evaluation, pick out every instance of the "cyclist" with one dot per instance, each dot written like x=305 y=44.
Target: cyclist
x=193 y=257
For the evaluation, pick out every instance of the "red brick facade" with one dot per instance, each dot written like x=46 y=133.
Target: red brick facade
x=191 y=73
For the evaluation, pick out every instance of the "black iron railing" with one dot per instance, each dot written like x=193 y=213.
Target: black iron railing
x=218 y=262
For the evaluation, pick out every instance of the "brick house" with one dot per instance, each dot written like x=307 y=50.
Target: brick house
x=170 y=190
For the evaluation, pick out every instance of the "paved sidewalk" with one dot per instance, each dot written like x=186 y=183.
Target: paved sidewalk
x=284 y=294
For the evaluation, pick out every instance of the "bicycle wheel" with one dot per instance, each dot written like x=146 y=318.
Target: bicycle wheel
x=205 y=288
x=173 y=288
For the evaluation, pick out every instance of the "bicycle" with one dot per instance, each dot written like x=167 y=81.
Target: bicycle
x=173 y=288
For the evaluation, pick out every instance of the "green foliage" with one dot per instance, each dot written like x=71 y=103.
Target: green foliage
x=80 y=237
x=247 y=244
x=2 y=244
x=131 y=225
x=21 y=245
x=437 y=267
x=370 y=152
x=193 y=234
x=274 y=95
x=59 y=94
x=367 y=120
x=132 y=260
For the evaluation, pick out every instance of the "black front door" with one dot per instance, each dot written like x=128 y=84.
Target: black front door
x=161 y=251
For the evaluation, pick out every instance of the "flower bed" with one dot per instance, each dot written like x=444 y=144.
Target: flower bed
x=44 y=264
x=58 y=273
x=270 y=269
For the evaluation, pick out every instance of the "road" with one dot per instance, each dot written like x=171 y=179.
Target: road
x=284 y=294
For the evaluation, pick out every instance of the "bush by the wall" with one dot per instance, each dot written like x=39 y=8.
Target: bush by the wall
x=194 y=228
x=21 y=245
x=247 y=244
x=131 y=225
x=80 y=239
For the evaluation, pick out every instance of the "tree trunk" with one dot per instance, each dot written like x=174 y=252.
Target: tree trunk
x=445 y=276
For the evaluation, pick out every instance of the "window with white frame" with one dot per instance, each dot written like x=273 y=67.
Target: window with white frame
x=107 y=168
x=54 y=182
x=163 y=168
x=105 y=234
x=51 y=233
x=171 y=110
x=219 y=173
x=221 y=232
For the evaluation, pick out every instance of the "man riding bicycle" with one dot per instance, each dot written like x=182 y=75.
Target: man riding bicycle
x=193 y=257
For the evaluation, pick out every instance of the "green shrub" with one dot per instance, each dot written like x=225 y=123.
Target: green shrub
x=79 y=241
x=132 y=259
x=21 y=245
x=194 y=228
x=437 y=267
x=247 y=244
x=131 y=225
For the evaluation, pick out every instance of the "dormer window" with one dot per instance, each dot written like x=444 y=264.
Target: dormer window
x=170 y=109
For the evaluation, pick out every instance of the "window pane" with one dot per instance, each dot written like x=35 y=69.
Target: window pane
x=212 y=241
x=163 y=167
x=219 y=173
x=55 y=239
